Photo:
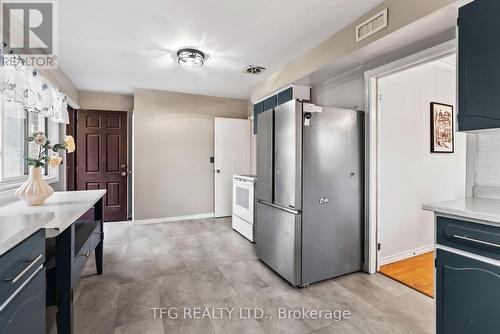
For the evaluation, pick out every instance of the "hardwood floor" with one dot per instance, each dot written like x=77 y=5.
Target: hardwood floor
x=416 y=272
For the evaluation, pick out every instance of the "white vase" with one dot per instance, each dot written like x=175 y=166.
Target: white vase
x=35 y=190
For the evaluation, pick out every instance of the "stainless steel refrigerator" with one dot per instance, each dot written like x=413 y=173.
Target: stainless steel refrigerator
x=310 y=191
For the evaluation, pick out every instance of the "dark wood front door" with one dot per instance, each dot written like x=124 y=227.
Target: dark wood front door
x=102 y=158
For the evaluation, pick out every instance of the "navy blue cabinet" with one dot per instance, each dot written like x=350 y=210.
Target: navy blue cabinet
x=26 y=312
x=479 y=66
x=285 y=96
x=22 y=287
x=294 y=92
x=467 y=295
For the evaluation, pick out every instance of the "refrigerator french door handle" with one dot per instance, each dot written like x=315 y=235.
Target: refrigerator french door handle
x=279 y=207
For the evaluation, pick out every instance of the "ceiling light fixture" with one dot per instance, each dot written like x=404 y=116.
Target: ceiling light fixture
x=190 y=58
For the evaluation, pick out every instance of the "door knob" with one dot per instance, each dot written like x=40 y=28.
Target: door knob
x=217 y=171
x=123 y=173
x=123 y=166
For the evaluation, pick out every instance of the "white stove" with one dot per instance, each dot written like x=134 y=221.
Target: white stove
x=243 y=205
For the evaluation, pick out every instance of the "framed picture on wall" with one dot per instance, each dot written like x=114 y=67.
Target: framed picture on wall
x=442 y=128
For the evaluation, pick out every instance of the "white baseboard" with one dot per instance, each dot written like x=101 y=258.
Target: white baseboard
x=172 y=219
x=405 y=255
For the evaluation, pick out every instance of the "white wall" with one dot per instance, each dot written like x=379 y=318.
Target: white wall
x=409 y=175
x=172 y=144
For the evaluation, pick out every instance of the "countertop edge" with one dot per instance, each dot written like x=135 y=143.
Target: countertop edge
x=464 y=213
x=74 y=217
x=9 y=244
x=50 y=231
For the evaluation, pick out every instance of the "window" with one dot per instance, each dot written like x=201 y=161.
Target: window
x=35 y=123
x=16 y=125
x=13 y=146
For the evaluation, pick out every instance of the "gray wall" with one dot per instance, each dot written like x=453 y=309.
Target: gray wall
x=106 y=101
x=346 y=93
x=172 y=144
x=342 y=44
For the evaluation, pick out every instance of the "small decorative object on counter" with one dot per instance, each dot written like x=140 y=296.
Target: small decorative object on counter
x=35 y=190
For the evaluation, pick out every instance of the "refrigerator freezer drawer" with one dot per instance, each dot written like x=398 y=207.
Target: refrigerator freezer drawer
x=243 y=227
x=278 y=241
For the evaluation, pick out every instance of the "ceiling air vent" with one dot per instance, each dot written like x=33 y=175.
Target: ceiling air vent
x=254 y=69
x=374 y=24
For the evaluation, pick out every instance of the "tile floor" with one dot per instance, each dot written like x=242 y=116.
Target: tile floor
x=204 y=263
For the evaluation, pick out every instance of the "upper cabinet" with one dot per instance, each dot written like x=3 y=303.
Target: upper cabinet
x=297 y=92
x=479 y=66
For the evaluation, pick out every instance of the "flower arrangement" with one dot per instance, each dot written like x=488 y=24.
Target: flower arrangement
x=44 y=147
x=35 y=190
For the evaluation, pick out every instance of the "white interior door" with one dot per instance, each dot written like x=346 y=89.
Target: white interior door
x=232 y=156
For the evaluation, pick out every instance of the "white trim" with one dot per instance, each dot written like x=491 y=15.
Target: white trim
x=6 y=186
x=461 y=3
x=444 y=66
x=371 y=104
x=406 y=255
x=72 y=103
x=172 y=219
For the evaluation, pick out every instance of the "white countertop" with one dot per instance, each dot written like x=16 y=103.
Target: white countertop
x=472 y=208
x=18 y=220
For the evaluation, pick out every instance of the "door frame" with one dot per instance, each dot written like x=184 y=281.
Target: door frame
x=71 y=159
x=372 y=215
x=225 y=119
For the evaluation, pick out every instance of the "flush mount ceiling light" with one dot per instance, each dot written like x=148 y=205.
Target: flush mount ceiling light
x=190 y=58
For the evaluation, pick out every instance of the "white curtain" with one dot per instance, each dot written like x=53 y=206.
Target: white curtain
x=24 y=89
x=59 y=106
x=13 y=81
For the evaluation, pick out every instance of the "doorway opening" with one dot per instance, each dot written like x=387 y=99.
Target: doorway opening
x=417 y=157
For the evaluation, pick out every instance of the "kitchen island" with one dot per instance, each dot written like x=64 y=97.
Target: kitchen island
x=69 y=242
x=467 y=260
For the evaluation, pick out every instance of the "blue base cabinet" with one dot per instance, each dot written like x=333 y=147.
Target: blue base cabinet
x=22 y=287
x=479 y=66
x=26 y=312
x=467 y=295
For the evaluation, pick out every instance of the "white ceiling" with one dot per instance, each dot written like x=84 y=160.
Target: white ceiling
x=116 y=45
